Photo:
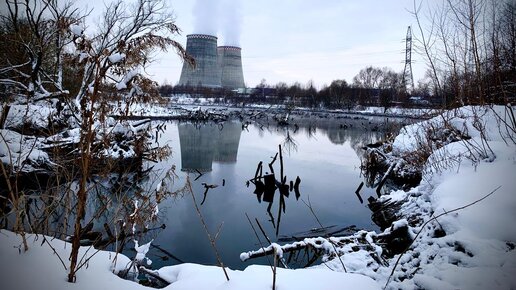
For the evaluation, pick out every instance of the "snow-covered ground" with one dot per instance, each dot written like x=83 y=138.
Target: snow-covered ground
x=22 y=153
x=148 y=110
x=40 y=268
x=400 y=112
x=477 y=252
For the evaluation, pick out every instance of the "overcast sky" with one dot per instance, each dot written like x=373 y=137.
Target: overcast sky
x=294 y=40
x=299 y=40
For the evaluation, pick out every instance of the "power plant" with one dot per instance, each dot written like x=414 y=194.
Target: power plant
x=215 y=67
x=230 y=63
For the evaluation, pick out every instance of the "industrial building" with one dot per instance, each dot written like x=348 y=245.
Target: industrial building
x=230 y=63
x=215 y=67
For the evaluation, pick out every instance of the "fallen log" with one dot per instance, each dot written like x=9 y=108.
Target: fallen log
x=154 y=274
x=318 y=243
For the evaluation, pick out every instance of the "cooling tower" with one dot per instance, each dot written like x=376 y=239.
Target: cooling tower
x=203 y=48
x=230 y=62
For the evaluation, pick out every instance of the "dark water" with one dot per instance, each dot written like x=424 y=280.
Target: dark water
x=325 y=157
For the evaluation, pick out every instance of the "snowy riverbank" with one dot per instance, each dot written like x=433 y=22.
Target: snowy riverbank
x=468 y=248
x=40 y=268
x=465 y=248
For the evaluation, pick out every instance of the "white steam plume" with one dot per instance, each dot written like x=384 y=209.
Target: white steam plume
x=206 y=17
x=231 y=22
x=209 y=14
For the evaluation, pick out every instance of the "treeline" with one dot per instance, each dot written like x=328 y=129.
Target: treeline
x=372 y=86
x=470 y=49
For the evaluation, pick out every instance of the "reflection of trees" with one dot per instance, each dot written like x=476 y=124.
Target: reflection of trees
x=289 y=143
x=120 y=207
x=358 y=141
x=357 y=132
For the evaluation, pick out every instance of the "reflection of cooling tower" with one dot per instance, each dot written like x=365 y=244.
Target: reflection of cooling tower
x=197 y=147
x=228 y=141
x=203 y=48
x=230 y=62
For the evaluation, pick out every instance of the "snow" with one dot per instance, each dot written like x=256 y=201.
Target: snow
x=472 y=183
x=47 y=272
x=393 y=111
x=39 y=268
x=22 y=152
x=474 y=254
x=76 y=29
x=148 y=110
x=122 y=84
x=477 y=251
x=36 y=115
x=255 y=277
x=399 y=224
x=116 y=57
x=141 y=251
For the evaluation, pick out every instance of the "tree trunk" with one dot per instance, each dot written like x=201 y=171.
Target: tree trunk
x=3 y=115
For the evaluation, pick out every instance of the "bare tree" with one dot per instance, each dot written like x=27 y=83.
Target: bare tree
x=469 y=46
x=368 y=78
x=122 y=47
x=45 y=42
x=35 y=35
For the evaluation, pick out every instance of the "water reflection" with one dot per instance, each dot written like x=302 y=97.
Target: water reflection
x=326 y=157
x=201 y=145
x=267 y=184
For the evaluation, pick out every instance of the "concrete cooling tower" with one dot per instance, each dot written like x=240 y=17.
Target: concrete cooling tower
x=203 y=48
x=230 y=62
x=215 y=66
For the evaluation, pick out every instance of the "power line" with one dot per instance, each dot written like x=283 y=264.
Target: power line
x=408 y=77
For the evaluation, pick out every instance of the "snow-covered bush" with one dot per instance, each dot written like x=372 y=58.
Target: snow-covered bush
x=63 y=82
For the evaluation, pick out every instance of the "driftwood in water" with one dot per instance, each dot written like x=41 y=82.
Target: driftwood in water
x=167 y=253
x=207 y=187
x=154 y=275
x=330 y=231
x=95 y=238
x=357 y=192
x=392 y=167
x=384 y=213
x=377 y=165
x=296 y=188
x=267 y=184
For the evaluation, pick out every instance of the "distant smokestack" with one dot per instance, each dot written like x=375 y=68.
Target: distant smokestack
x=203 y=48
x=230 y=62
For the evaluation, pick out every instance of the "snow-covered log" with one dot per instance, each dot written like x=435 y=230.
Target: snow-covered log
x=331 y=247
x=22 y=153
